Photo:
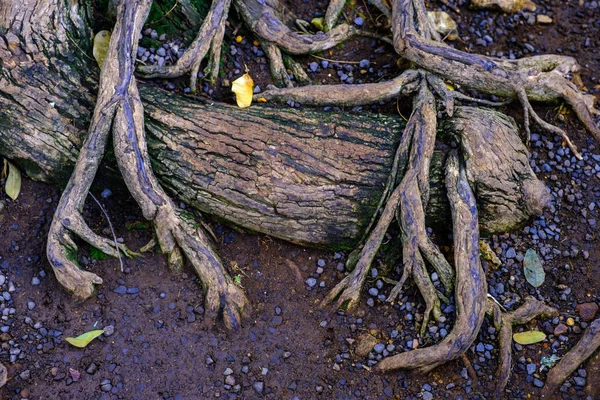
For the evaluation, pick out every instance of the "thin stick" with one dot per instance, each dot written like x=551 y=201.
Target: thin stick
x=111 y=229
x=338 y=61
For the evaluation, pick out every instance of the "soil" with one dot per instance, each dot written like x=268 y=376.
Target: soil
x=289 y=347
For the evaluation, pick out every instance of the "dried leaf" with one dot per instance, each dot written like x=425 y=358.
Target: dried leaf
x=529 y=337
x=101 y=42
x=13 y=181
x=242 y=87
x=83 y=340
x=4 y=173
x=533 y=269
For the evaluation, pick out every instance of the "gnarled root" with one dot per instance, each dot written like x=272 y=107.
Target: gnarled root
x=269 y=22
x=504 y=322
x=470 y=285
x=349 y=288
x=209 y=38
x=541 y=78
x=119 y=107
x=411 y=195
x=346 y=95
x=587 y=345
x=414 y=189
x=175 y=232
x=67 y=221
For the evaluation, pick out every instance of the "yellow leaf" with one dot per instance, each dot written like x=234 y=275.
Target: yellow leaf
x=529 y=337
x=318 y=23
x=101 y=41
x=239 y=38
x=13 y=181
x=261 y=100
x=83 y=340
x=449 y=86
x=242 y=87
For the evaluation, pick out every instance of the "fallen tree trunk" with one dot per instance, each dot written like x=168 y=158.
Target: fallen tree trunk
x=309 y=177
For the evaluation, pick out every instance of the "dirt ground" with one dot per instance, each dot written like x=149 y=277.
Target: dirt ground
x=289 y=348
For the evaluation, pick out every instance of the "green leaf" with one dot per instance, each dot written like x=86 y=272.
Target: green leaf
x=529 y=337
x=83 y=340
x=101 y=42
x=533 y=269
x=13 y=182
x=318 y=23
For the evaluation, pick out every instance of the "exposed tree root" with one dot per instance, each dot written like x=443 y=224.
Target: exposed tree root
x=346 y=95
x=411 y=195
x=209 y=38
x=587 y=345
x=68 y=221
x=265 y=20
x=541 y=78
x=470 y=284
x=414 y=197
x=119 y=109
x=334 y=9
x=175 y=232
x=504 y=323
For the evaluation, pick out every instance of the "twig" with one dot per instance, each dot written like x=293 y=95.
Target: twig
x=338 y=61
x=111 y=229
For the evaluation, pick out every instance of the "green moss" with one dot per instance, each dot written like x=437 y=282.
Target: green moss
x=137 y=225
x=97 y=254
x=148 y=43
x=71 y=256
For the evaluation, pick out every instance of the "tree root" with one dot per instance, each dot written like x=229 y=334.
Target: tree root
x=410 y=196
x=119 y=108
x=470 y=285
x=68 y=221
x=334 y=9
x=504 y=322
x=346 y=95
x=540 y=78
x=587 y=345
x=209 y=38
x=414 y=189
x=265 y=20
x=174 y=230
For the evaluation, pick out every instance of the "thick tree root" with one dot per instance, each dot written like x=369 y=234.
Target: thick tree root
x=504 y=323
x=209 y=38
x=587 y=345
x=119 y=108
x=67 y=221
x=414 y=197
x=265 y=20
x=470 y=284
x=411 y=196
x=346 y=95
x=174 y=230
